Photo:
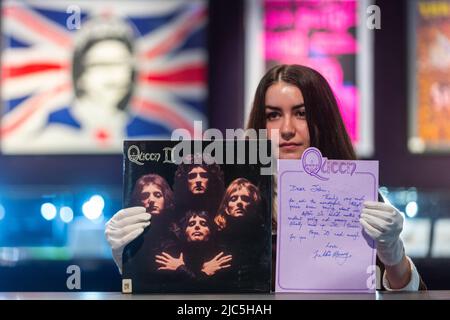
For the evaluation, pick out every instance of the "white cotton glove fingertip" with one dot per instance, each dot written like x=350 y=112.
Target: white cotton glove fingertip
x=368 y=204
x=369 y=230
x=117 y=257
x=133 y=233
x=131 y=211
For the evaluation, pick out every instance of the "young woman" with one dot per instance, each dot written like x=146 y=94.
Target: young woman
x=297 y=104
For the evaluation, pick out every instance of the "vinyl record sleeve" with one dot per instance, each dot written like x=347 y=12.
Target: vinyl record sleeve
x=210 y=227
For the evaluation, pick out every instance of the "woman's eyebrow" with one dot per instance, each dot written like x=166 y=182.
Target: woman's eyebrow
x=299 y=106
x=272 y=107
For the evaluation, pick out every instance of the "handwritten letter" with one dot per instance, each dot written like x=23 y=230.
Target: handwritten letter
x=321 y=244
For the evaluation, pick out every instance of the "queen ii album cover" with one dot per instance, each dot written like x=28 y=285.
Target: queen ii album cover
x=210 y=210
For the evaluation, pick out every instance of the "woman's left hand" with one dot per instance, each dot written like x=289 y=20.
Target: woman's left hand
x=383 y=223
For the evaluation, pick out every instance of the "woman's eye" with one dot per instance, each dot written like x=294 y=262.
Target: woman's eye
x=272 y=115
x=158 y=194
x=301 y=114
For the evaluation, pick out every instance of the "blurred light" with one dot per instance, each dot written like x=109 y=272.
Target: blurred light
x=416 y=237
x=48 y=211
x=91 y=295
x=97 y=202
x=66 y=214
x=400 y=197
x=416 y=145
x=412 y=195
x=100 y=219
x=2 y=212
x=440 y=247
x=93 y=208
x=411 y=209
x=9 y=256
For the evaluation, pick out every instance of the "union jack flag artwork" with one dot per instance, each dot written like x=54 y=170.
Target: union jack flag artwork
x=82 y=76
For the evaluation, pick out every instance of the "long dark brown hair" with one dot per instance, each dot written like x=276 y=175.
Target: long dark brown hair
x=326 y=128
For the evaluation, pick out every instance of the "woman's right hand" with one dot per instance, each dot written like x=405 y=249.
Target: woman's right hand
x=125 y=226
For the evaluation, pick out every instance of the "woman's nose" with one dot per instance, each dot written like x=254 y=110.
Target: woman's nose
x=287 y=129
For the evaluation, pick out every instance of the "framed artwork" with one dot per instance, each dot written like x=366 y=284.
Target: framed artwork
x=429 y=76
x=328 y=36
x=82 y=76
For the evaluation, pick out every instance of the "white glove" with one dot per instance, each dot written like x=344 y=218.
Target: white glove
x=383 y=223
x=125 y=226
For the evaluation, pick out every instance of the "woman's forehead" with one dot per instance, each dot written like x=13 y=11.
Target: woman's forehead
x=281 y=93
